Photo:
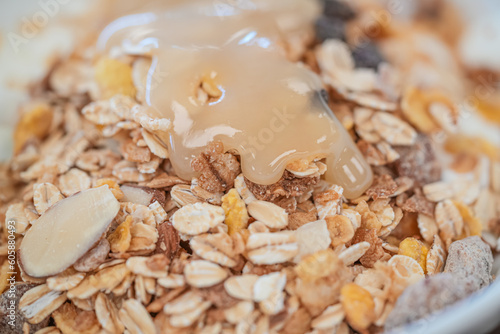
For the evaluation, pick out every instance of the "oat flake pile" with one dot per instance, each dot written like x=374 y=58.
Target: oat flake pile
x=110 y=239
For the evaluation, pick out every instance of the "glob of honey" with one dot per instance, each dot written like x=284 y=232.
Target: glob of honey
x=219 y=73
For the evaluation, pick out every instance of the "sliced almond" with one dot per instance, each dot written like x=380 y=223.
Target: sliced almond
x=67 y=231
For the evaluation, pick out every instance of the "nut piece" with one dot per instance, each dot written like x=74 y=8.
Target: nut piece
x=94 y=257
x=67 y=231
x=270 y=214
x=197 y=218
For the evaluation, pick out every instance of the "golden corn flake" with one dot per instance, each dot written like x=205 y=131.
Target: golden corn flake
x=358 y=305
x=415 y=249
x=472 y=225
x=114 y=77
x=318 y=265
x=119 y=240
x=113 y=186
x=235 y=210
x=33 y=124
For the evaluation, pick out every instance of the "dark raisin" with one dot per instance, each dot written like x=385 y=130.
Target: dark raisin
x=330 y=28
x=339 y=9
x=367 y=55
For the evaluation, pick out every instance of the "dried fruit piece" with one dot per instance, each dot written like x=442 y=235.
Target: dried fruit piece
x=419 y=162
x=340 y=228
x=113 y=186
x=358 y=305
x=426 y=297
x=67 y=231
x=114 y=77
x=120 y=239
x=236 y=211
x=35 y=123
x=416 y=250
x=472 y=258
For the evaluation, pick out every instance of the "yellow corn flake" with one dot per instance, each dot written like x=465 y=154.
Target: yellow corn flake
x=415 y=249
x=236 y=211
x=113 y=186
x=472 y=224
x=358 y=305
x=318 y=265
x=33 y=124
x=114 y=77
x=119 y=240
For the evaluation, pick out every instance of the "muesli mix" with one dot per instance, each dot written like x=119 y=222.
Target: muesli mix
x=111 y=240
